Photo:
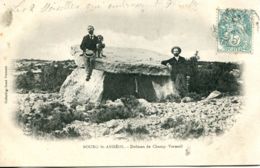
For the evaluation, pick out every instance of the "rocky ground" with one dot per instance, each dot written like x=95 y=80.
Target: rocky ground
x=188 y=119
x=43 y=112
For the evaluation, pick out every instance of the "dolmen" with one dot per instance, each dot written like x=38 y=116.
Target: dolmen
x=123 y=72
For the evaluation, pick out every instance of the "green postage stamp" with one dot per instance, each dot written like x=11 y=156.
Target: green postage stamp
x=234 y=30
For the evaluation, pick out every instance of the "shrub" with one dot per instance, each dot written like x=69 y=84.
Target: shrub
x=25 y=81
x=173 y=122
x=184 y=128
x=138 y=130
x=130 y=101
x=46 y=117
x=126 y=107
x=70 y=132
x=52 y=76
x=169 y=123
x=213 y=76
x=49 y=77
x=105 y=113
x=227 y=83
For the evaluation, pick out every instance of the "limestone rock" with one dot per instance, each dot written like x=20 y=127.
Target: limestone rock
x=76 y=89
x=127 y=61
x=186 y=99
x=80 y=108
x=144 y=103
x=106 y=132
x=119 y=129
x=112 y=124
x=214 y=94
x=116 y=103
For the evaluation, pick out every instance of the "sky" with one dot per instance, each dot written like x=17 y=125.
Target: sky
x=49 y=35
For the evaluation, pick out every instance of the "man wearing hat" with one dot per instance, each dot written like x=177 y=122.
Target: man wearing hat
x=178 y=70
x=88 y=46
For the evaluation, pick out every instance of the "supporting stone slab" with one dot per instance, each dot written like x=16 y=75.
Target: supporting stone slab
x=109 y=86
x=76 y=89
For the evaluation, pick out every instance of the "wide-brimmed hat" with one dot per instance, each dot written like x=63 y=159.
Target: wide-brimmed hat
x=176 y=47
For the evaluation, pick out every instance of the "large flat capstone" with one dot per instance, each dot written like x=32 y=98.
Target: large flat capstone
x=127 y=61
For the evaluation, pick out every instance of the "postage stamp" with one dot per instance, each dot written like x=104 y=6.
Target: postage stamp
x=234 y=30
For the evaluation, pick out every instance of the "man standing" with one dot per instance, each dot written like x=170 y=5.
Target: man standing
x=178 y=70
x=89 y=47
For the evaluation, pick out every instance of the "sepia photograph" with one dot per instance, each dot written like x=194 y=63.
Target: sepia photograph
x=174 y=76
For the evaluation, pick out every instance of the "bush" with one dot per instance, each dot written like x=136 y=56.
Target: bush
x=70 y=132
x=53 y=75
x=46 y=117
x=169 y=123
x=49 y=77
x=130 y=102
x=138 y=130
x=214 y=76
x=25 y=81
x=126 y=107
x=104 y=113
x=184 y=128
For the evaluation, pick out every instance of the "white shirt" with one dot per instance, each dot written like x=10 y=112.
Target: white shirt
x=91 y=36
x=177 y=58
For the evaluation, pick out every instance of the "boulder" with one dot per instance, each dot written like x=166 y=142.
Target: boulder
x=187 y=99
x=143 y=103
x=106 y=132
x=214 y=94
x=112 y=124
x=80 y=108
x=116 y=103
x=76 y=89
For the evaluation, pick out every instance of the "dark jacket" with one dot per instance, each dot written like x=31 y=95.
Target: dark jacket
x=178 y=67
x=88 y=43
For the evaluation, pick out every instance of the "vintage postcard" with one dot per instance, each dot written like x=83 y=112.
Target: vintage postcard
x=129 y=83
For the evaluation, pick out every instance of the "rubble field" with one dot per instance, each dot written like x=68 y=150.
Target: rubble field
x=47 y=116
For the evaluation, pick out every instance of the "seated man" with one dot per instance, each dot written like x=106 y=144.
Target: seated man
x=178 y=70
x=89 y=48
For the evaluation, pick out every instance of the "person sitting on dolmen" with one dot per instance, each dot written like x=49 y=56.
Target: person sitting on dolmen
x=89 y=48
